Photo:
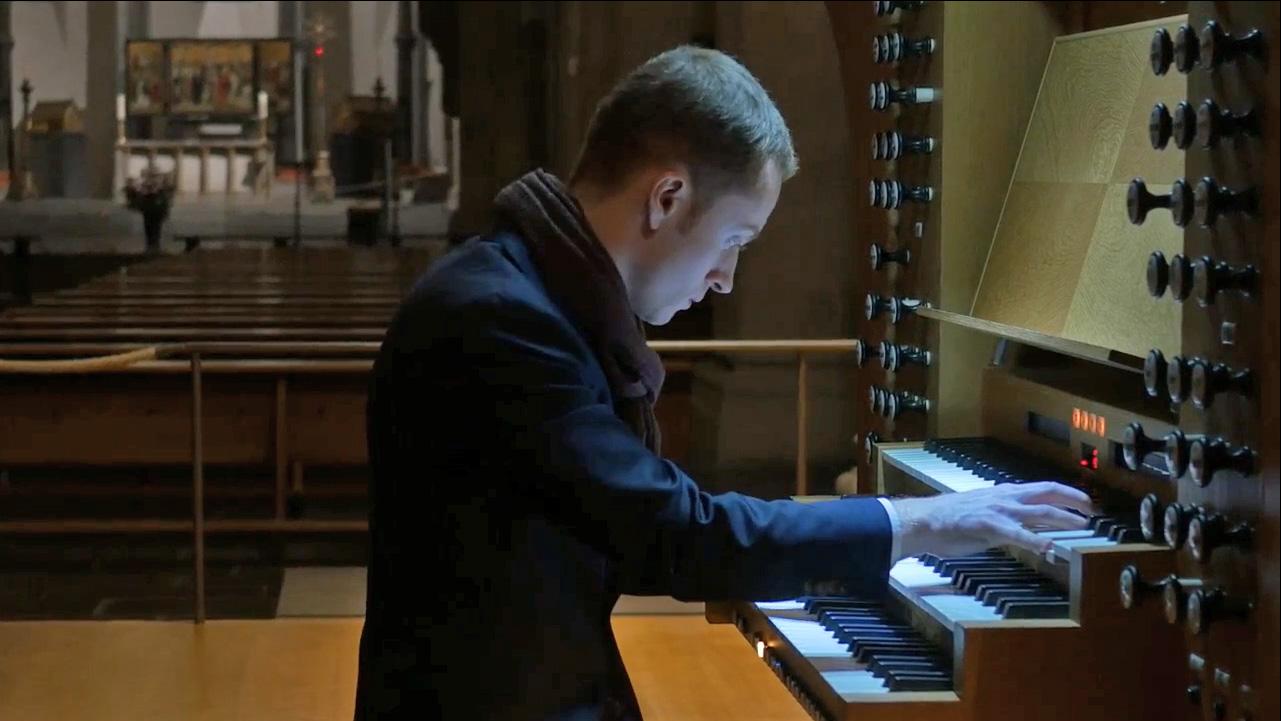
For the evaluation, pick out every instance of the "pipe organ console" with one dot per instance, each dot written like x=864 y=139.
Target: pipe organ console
x=1037 y=352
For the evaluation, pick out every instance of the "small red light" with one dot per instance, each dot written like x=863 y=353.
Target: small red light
x=1095 y=462
x=320 y=50
x=1085 y=463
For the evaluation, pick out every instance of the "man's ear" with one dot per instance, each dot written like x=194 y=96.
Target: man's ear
x=668 y=195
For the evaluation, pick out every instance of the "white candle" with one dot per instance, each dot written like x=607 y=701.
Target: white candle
x=120 y=107
x=262 y=104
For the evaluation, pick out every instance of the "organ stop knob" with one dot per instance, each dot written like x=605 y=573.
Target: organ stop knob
x=893 y=47
x=895 y=356
x=1175 y=275
x=1183 y=127
x=891 y=145
x=1208 y=531
x=1208 y=606
x=1209 y=380
x=881 y=257
x=1213 y=277
x=1161 y=51
x=863 y=352
x=1152 y=519
x=1154 y=369
x=1207 y=457
x=1186 y=49
x=899 y=308
x=880 y=95
x=1134 y=587
x=1174 y=594
x=1214 y=123
x=1136 y=445
x=1213 y=200
x=904 y=402
x=1139 y=201
x=890 y=194
x=1178 y=378
x=1159 y=126
x=888 y=7
x=1177 y=452
x=1218 y=47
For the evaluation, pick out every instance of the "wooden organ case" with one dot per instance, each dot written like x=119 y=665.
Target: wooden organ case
x=1072 y=239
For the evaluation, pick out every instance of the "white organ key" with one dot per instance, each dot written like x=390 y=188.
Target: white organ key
x=944 y=473
x=810 y=638
x=849 y=683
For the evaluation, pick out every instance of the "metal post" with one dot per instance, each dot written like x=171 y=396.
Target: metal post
x=802 y=424
x=198 y=487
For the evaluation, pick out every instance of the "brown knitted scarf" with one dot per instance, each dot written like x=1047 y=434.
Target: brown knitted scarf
x=582 y=279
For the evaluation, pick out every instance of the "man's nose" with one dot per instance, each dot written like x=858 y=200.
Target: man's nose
x=722 y=278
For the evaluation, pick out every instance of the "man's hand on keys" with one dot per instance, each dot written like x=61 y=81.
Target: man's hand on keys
x=957 y=524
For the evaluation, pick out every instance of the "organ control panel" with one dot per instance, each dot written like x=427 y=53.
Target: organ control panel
x=1156 y=393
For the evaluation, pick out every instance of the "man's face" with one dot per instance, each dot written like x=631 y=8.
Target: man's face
x=682 y=260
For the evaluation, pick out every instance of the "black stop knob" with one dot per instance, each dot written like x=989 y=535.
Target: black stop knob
x=891 y=145
x=1154 y=372
x=895 y=356
x=1207 y=457
x=1158 y=274
x=1213 y=201
x=876 y=396
x=881 y=95
x=870 y=439
x=1175 y=523
x=881 y=257
x=1174 y=596
x=874 y=305
x=1214 y=123
x=1161 y=51
x=888 y=7
x=1152 y=518
x=864 y=351
x=1160 y=126
x=1177 y=449
x=1187 y=49
x=891 y=194
x=1219 y=47
x=1183 y=126
x=901 y=308
x=894 y=47
x=1134 y=587
x=897 y=404
x=1138 y=201
x=1208 y=531
x=1209 y=606
x=1209 y=380
x=1180 y=277
x=1178 y=378
x=1213 y=277
x=1136 y=445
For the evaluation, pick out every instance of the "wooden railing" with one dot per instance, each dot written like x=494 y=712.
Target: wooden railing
x=338 y=357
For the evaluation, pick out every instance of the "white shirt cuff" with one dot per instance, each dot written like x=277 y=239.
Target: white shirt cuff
x=895 y=530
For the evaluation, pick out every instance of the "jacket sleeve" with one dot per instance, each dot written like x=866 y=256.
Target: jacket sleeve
x=575 y=458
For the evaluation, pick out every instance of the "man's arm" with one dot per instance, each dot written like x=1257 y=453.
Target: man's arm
x=586 y=470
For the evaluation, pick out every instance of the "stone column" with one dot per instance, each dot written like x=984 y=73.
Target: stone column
x=106 y=50
x=6 y=83
x=409 y=85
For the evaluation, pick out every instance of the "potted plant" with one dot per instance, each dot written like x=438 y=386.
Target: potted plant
x=151 y=195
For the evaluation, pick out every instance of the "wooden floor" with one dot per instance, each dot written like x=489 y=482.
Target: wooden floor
x=683 y=668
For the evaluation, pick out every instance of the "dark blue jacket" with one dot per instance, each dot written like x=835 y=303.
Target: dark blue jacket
x=511 y=507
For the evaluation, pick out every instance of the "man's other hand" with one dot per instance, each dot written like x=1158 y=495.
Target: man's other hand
x=957 y=524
